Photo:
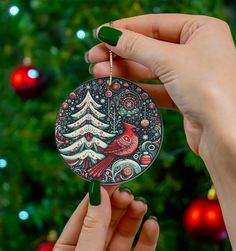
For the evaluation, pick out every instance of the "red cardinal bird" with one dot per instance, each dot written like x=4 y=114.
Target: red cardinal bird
x=125 y=145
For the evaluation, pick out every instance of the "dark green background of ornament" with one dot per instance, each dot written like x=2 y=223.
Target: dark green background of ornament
x=112 y=104
x=36 y=178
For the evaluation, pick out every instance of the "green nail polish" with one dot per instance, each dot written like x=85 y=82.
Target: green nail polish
x=95 y=193
x=126 y=189
x=91 y=66
x=86 y=54
x=109 y=35
x=139 y=198
x=95 y=33
x=153 y=218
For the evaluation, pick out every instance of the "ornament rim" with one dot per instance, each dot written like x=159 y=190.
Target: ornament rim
x=114 y=78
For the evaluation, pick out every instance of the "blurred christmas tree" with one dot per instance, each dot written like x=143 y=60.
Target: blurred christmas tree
x=37 y=192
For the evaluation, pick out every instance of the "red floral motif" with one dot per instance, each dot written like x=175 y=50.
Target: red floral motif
x=127 y=171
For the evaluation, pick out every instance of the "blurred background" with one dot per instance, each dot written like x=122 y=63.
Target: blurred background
x=38 y=193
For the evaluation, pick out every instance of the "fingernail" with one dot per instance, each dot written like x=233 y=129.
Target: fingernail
x=91 y=66
x=95 y=33
x=109 y=35
x=126 y=189
x=86 y=55
x=153 y=218
x=139 y=198
x=95 y=193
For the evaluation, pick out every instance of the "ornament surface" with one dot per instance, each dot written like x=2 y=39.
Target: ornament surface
x=109 y=133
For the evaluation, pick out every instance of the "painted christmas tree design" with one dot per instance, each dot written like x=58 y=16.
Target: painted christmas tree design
x=87 y=134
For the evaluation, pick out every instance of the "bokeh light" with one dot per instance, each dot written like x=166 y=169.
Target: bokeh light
x=23 y=215
x=3 y=163
x=81 y=34
x=32 y=73
x=14 y=10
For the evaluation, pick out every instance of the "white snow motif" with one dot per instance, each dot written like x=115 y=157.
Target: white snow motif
x=88 y=117
x=82 y=141
x=89 y=129
x=84 y=110
x=88 y=133
x=84 y=155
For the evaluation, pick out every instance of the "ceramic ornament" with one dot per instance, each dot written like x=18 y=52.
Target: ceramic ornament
x=111 y=133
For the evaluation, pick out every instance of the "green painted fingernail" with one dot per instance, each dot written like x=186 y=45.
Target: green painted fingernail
x=153 y=218
x=95 y=193
x=139 y=198
x=126 y=189
x=91 y=66
x=109 y=35
x=86 y=55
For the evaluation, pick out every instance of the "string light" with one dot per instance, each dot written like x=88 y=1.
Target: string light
x=3 y=163
x=32 y=73
x=23 y=215
x=81 y=34
x=14 y=10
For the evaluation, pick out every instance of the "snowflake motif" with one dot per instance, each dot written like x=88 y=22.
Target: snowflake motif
x=129 y=104
x=145 y=137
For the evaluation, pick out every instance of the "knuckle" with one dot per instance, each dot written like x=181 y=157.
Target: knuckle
x=129 y=47
x=90 y=223
x=218 y=25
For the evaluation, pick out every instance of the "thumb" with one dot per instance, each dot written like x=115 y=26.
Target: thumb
x=96 y=222
x=147 y=51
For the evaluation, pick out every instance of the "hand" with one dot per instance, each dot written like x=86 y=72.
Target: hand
x=112 y=225
x=195 y=58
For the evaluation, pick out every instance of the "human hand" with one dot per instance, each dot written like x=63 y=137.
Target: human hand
x=195 y=58
x=111 y=225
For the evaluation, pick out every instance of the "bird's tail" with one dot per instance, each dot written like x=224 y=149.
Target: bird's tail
x=97 y=170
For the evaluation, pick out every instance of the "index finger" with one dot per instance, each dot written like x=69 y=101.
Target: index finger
x=165 y=27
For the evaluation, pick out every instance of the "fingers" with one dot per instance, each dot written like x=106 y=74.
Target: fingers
x=123 y=68
x=165 y=27
x=148 y=236
x=70 y=234
x=119 y=203
x=128 y=226
x=154 y=54
x=98 y=53
x=160 y=95
x=111 y=189
x=96 y=222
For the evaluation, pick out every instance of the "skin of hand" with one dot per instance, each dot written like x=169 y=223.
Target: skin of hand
x=111 y=225
x=195 y=58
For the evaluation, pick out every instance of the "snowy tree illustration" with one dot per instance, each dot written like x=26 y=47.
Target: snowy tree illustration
x=87 y=133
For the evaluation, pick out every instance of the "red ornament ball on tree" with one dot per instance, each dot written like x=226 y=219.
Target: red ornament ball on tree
x=26 y=80
x=144 y=123
x=108 y=93
x=47 y=246
x=204 y=222
x=72 y=95
x=65 y=105
x=145 y=159
x=116 y=86
x=151 y=106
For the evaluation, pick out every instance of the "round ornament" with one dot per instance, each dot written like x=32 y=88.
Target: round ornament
x=46 y=246
x=204 y=222
x=26 y=80
x=100 y=131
